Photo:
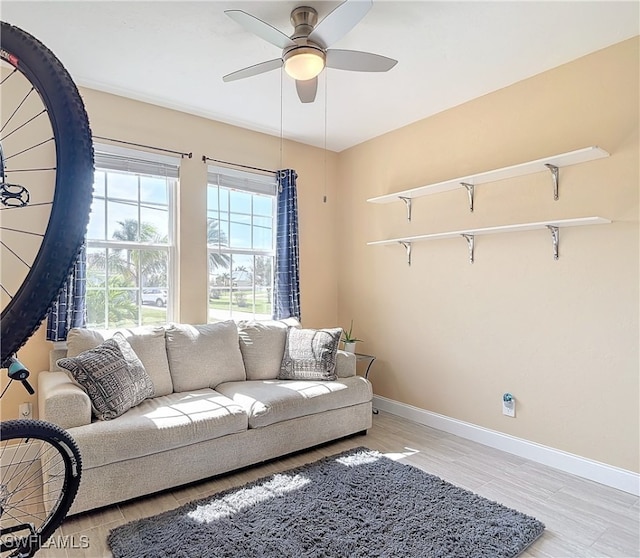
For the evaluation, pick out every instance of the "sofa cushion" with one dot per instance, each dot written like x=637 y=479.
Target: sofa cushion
x=147 y=342
x=202 y=356
x=262 y=346
x=310 y=354
x=270 y=401
x=112 y=375
x=160 y=424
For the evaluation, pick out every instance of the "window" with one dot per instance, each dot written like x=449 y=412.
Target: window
x=130 y=239
x=241 y=213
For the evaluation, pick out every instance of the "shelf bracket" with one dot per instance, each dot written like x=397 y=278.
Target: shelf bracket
x=555 y=237
x=470 y=192
x=471 y=241
x=407 y=247
x=407 y=202
x=555 y=174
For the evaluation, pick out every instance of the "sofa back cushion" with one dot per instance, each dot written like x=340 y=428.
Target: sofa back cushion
x=203 y=356
x=262 y=346
x=147 y=342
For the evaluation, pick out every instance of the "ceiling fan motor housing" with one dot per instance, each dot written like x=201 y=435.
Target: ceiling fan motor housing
x=303 y=19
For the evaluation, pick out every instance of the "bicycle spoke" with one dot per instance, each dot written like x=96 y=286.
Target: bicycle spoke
x=33 y=496
x=7 y=171
x=28 y=149
x=20 y=231
x=21 y=467
x=43 y=111
x=21 y=518
x=17 y=108
x=38 y=486
x=15 y=71
x=27 y=206
x=16 y=255
x=29 y=490
x=36 y=499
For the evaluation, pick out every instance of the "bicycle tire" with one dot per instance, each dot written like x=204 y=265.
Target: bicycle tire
x=72 y=197
x=31 y=448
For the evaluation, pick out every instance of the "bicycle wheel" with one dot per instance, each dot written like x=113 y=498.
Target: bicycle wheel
x=40 y=469
x=46 y=174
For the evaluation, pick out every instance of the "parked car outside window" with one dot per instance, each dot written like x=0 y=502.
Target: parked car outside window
x=157 y=297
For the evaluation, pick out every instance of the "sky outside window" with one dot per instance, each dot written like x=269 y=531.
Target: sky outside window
x=126 y=194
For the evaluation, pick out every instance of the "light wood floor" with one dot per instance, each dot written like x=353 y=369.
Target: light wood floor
x=584 y=519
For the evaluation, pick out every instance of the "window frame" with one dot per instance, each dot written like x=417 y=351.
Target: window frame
x=116 y=159
x=253 y=183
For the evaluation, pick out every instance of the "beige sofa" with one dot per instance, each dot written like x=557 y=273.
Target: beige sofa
x=218 y=406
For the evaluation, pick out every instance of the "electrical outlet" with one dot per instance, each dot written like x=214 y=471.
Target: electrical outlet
x=25 y=411
x=509 y=407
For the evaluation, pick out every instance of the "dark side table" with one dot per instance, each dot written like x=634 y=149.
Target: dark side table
x=360 y=357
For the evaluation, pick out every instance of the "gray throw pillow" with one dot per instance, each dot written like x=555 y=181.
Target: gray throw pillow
x=310 y=354
x=146 y=341
x=112 y=375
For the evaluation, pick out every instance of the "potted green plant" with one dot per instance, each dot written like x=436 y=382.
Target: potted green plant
x=349 y=339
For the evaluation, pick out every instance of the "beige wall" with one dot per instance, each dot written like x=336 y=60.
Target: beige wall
x=116 y=117
x=562 y=336
x=451 y=337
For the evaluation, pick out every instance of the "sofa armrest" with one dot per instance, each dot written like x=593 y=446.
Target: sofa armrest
x=345 y=364
x=61 y=401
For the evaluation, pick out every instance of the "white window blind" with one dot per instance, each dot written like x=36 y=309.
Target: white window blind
x=242 y=180
x=116 y=158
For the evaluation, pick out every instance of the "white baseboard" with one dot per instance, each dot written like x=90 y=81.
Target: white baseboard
x=602 y=473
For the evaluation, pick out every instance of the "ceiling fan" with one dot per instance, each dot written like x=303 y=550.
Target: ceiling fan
x=306 y=53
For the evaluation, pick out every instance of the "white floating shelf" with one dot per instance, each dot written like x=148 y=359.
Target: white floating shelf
x=469 y=234
x=552 y=164
x=581 y=221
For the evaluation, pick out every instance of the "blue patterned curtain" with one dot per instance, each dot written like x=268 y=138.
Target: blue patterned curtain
x=286 y=302
x=69 y=310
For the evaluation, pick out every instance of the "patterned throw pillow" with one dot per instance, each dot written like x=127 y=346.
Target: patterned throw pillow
x=112 y=375
x=310 y=354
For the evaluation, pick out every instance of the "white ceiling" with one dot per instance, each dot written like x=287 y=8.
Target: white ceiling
x=174 y=54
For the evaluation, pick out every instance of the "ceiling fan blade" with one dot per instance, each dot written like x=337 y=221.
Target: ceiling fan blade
x=357 y=61
x=339 y=22
x=307 y=89
x=254 y=70
x=260 y=28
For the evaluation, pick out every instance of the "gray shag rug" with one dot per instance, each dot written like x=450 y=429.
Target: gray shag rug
x=354 y=504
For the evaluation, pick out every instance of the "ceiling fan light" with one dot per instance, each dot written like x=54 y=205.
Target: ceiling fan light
x=304 y=63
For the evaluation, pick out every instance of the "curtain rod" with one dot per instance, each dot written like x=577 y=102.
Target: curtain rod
x=268 y=171
x=182 y=154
